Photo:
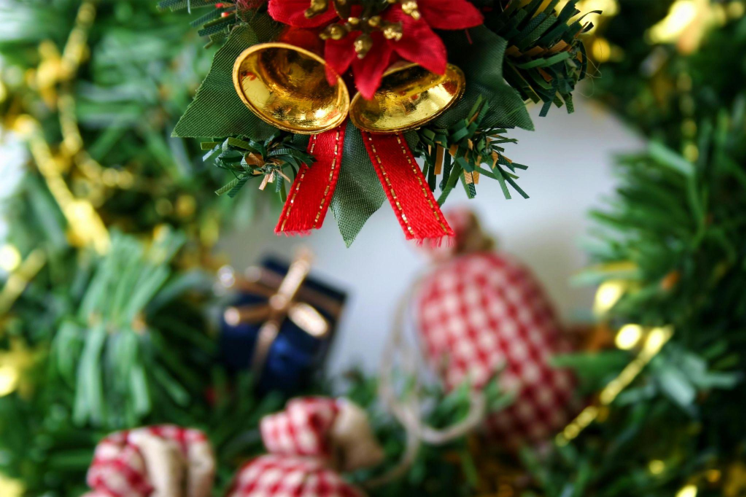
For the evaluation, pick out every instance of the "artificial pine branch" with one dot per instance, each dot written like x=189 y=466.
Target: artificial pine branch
x=677 y=220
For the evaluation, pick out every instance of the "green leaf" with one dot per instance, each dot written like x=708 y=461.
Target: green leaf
x=359 y=193
x=217 y=110
x=667 y=157
x=677 y=386
x=480 y=56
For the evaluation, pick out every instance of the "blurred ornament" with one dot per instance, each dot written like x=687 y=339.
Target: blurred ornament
x=156 y=461
x=735 y=480
x=85 y=225
x=14 y=366
x=280 y=324
x=628 y=336
x=649 y=341
x=607 y=295
x=483 y=314
x=20 y=277
x=499 y=476
x=10 y=258
x=309 y=444
x=689 y=490
x=10 y=487
x=687 y=23
x=605 y=8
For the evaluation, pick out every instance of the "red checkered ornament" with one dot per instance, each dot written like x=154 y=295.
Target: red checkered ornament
x=157 y=461
x=310 y=443
x=482 y=313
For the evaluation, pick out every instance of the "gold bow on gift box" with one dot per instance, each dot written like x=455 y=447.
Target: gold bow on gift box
x=287 y=298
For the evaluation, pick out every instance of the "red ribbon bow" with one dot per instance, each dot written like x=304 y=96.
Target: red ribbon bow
x=405 y=186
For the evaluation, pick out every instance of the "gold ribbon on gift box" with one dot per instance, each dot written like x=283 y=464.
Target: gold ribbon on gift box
x=287 y=298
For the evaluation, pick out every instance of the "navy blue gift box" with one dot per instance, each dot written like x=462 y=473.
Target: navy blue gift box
x=283 y=337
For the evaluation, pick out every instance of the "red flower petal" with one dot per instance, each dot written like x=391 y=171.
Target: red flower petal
x=303 y=38
x=450 y=14
x=369 y=70
x=339 y=54
x=418 y=43
x=292 y=12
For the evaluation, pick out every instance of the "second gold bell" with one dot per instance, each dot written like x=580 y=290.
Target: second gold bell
x=287 y=87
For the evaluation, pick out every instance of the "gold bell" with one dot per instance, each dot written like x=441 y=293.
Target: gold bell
x=409 y=97
x=286 y=86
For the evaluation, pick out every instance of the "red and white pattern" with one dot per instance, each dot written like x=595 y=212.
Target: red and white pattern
x=157 y=460
x=302 y=443
x=289 y=476
x=483 y=314
x=302 y=429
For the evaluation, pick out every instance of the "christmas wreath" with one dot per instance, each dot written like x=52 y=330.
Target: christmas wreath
x=343 y=96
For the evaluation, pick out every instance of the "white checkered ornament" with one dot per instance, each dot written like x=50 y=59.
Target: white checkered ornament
x=484 y=313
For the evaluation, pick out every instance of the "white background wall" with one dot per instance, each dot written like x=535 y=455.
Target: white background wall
x=569 y=159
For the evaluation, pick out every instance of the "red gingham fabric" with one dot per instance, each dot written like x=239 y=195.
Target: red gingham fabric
x=118 y=468
x=289 y=476
x=300 y=459
x=302 y=428
x=484 y=313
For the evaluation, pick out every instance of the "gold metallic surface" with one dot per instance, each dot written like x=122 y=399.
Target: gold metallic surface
x=409 y=97
x=286 y=86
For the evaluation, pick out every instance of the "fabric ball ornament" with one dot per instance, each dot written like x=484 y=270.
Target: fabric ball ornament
x=483 y=314
x=310 y=443
x=156 y=461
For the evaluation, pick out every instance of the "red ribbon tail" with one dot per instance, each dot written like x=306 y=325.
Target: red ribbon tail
x=313 y=188
x=406 y=188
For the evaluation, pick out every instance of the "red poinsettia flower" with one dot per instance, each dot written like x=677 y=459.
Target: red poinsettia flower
x=418 y=43
x=292 y=13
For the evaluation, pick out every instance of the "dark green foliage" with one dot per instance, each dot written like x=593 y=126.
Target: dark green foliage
x=447 y=470
x=130 y=347
x=215 y=24
x=670 y=217
x=679 y=220
x=112 y=353
x=545 y=57
x=466 y=145
x=481 y=55
x=141 y=74
x=658 y=89
x=247 y=158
